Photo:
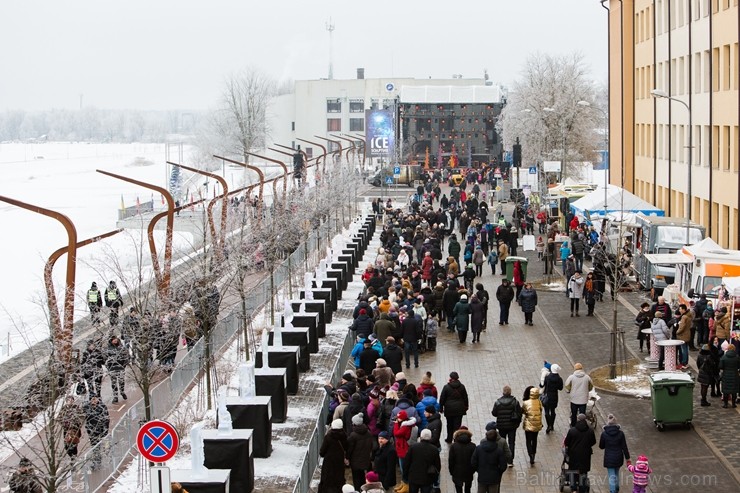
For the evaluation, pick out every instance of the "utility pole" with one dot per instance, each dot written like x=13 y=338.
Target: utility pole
x=330 y=28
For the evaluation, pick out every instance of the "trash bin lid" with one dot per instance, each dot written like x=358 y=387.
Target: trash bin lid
x=514 y=259
x=671 y=377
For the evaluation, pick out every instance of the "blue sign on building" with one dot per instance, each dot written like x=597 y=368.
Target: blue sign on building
x=396 y=170
x=533 y=170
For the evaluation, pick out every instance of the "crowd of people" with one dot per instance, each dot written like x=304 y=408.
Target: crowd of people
x=383 y=427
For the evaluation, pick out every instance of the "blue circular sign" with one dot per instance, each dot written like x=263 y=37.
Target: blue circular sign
x=389 y=87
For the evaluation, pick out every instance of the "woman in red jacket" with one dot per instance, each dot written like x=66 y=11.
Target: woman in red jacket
x=402 y=428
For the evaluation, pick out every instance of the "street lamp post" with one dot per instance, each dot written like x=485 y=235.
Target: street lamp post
x=586 y=104
x=657 y=93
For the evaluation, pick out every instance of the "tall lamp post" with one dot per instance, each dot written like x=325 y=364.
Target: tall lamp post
x=657 y=93
x=586 y=104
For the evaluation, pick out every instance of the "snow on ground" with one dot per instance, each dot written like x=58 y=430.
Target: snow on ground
x=62 y=177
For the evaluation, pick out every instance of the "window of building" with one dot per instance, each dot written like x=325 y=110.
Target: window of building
x=715 y=146
x=726 y=147
x=697 y=73
x=659 y=16
x=705 y=69
x=680 y=13
x=725 y=4
x=726 y=67
x=736 y=149
x=733 y=230
x=356 y=124
x=681 y=75
x=333 y=106
x=334 y=124
x=697 y=146
x=735 y=67
x=356 y=105
x=309 y=152
x=707 y=146
x=292 y=126
x=715 y=69
x=697 y=9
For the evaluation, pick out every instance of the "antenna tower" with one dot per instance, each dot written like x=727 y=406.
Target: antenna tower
x=330 y=28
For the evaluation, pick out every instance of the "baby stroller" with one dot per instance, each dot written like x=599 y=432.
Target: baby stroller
x=570 y=478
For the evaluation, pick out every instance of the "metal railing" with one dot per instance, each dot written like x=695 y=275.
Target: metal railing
x=311 y=457
x=165 y=396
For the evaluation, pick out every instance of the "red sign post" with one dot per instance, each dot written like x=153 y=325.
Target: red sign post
x=157 y=441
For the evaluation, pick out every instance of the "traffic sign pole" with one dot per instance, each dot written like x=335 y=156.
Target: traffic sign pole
x=157 y=441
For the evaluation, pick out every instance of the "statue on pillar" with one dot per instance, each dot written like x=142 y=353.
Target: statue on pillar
x=277 y=335
x=288 y=315
x=246 y=379
x=265 y=350
x=224 y=418
x=308 y=285
x=196 y=452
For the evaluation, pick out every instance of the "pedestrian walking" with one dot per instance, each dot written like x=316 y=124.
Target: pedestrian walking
x=528 y=301
x=578 y=385
x=728 y=364
x=642 y=322
x=459 y=460
x=503 y=252
x=114 y=301
x=551 y=385
x=116 y=361
x=579 y=443
x=461 y=313
x=479 y=258
x=532 y=420
x=402 y=429
x=640 y=474
x=489 y=462
x=97 y=423
x=708 y=369
x=476 y=317
x=661 y=332
x=614 y=445
x=91 y=367
x=424 y=464
x=518 y=277
x=483 y=297
x=454 y=404
x=385 y=460
x=504 y=295
x=334 y=451
x=493 y=260
x=71 y=419
x=94 y=302
x=575 y=292
x=24 y=479
x=359 y=450
x=508 y=414
x=412 y=332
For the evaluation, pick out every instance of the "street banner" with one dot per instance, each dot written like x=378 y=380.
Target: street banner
x=379 y=133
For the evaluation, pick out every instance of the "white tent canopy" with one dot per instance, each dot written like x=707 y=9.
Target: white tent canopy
x=594 y=203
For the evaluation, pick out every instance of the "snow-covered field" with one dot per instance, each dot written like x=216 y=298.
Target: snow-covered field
x=62 y=177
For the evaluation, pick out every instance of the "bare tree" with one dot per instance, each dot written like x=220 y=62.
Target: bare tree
x=542 y=111
x=239 y=125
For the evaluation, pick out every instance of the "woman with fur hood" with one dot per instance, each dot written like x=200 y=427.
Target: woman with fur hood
x=459 y=460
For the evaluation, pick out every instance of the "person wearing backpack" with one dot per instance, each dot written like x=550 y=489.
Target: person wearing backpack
x=508 y=414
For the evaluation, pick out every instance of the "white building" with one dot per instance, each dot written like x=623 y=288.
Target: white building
x=329 y=108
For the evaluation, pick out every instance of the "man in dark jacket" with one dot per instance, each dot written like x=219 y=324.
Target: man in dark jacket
x=453 y=249
x=94 y=302
x=363 y=325
x=393 y=355
x=116 y=362
x=421 y=459
x=449 y=300
x=97 y=422
x=368 y=357
x=508 y=414
x=434 y=423
x=614 y=445
x=454 y=404
x=385 y=460
x=383 y=328
x=91 y=366
x=114 y=301
x=504 y=295
x=412 y=331
x=359 y=450
x=459 y=460
x=489 y=462
x=579 y=444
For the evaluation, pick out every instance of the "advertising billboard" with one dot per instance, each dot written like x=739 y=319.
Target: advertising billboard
x=379 y=133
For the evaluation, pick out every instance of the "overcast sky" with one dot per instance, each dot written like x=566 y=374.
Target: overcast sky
x=174 y=54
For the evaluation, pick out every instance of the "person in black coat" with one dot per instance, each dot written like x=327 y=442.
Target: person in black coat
x=459 y=460
x=552 y=384
x=393 y=355
x=368 y=357
x=449 y=300
x=477 y=316
x=434 y=424
x=484 y=297
x=334 y=451
x=359 y=450
x=454 y=404
x=363 y=325
x=97 y=423
x=385 y=460
x=708 y=369
x=91 y=367
x=505 y=409
x=579 y=444
x=614 y=445
x=489 y=462
x=412 y=331
x=504 y=295
x=420 y=458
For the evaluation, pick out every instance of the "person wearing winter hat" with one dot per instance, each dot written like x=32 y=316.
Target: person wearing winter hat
x=333 y=450
x=422 y=459
x=640 y=474
x=359 y=450
x=578 y=385
x=708 y=368
x=453 y=403
x=579 y=443
x=551 y=384
x=461 y=312
x=372 y=483
x=402 y=434
x=614 y=445
x=426 y=383
x=94 y=302
x=348 y=488
x=385 y=460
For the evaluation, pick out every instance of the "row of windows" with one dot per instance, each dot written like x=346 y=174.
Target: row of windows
x=722 y=140
x=355 y=124
x=724 y=227
x=681 y=12
x=720 y=73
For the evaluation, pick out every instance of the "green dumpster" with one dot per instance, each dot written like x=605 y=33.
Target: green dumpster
x=510 y=261
x=672 y=394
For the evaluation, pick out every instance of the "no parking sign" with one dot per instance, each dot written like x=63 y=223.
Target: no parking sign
x=157 y=441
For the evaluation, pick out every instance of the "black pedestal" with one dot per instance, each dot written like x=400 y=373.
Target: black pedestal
x=348 y=257
x=324 y=294
x=270 y=382
x=233 y=452
x=308 y=321
x=334 y=285
x=216 y=480
x=253 y=413
x=339 y=275
x=284 y=357
x=297 y=336
x=320 y=307
x=347 y=269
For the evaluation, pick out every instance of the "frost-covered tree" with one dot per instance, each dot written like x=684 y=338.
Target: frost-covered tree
x=542 y=111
